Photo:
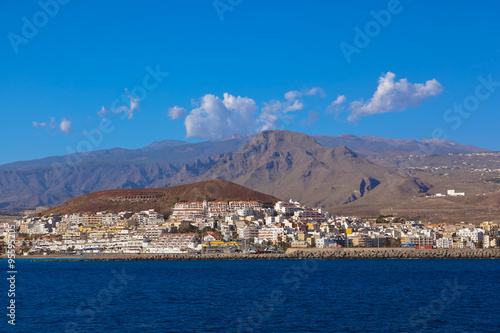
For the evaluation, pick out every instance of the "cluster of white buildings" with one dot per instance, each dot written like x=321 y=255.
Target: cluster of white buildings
x=234 y=226
x=451 y=193
x=205 y=209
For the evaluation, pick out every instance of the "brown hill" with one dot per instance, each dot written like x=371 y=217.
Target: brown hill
x=160 y=199
x=492 y=200
x=293 y=165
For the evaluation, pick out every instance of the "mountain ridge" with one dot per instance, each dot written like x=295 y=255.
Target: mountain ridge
x=368 y=145
x=53 y=180
x=294 y=165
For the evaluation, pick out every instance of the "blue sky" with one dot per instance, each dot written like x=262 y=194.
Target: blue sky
x=85 y=69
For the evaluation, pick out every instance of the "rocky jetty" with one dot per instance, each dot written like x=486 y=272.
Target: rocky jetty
x=351 y=253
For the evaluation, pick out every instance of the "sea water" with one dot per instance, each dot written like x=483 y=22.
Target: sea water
x=254 y=296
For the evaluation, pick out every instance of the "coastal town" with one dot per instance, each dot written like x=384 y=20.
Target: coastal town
x=231 y=227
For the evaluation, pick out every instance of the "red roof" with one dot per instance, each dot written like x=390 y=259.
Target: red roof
x=214 y=235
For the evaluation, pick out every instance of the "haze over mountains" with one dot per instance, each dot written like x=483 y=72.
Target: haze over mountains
x=318 y=170
x=372 y=146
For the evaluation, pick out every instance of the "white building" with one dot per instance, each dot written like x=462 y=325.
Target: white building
x=174 y=243
x=230 y=219
x=274 y=219
x=190 y=210
x=473 y=234
x=193 y=210
x=287 y=207
x=314 y=214
x=325 y=242
x=486 y=241
x=444 y=243
x=272 y=234
x=244 y=212
x=454 y=194
x=248 y=231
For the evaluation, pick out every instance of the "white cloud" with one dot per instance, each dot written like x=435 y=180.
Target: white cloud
x=295 y=94
x=337 y=105
x=134 y=104
x=243 y=109
x=274 y=111
x=216 y=118
x=315 y=91
x=176 y=112
x=128 y=110
x=65 y=126
x=393 y=96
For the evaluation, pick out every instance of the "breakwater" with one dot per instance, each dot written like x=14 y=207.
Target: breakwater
x=351 y=253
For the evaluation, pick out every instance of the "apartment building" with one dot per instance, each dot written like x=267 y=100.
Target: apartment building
x=248 y=232
x=287 y=207
x=169 y=242
x=272 y=234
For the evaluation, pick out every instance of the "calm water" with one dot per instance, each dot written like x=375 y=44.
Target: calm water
x=256 y=296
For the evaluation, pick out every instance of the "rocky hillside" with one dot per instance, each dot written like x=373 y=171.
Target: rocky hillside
x=160 y=199
x=320 y=170
x=293 y=165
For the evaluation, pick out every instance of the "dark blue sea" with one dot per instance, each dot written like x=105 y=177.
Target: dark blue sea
x=254 y=296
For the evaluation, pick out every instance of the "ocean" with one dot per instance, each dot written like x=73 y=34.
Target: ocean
x=254 y=296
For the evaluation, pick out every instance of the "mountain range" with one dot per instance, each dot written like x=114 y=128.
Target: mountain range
x=376 y=147
x=322 y=171
x=294 y=165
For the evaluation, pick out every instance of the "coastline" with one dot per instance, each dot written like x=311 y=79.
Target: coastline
x=315 y=253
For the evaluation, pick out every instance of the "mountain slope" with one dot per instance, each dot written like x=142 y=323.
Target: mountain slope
x=169 y=151
x=162 y=144
x=293 y=165
x=53 y=180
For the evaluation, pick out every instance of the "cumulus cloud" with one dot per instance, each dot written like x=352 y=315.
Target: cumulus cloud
x=392 y=96
x=127 y=110
x=216 y=118
x=337 y=105
x=294 y=94
x=65 y=126
x=273 y=113
x=37 y=124
x=176 y=112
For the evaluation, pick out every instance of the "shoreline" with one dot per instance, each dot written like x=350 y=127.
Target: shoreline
x=349 y=253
